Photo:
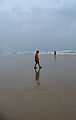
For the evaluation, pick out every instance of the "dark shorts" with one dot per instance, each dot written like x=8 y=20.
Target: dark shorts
x=37 y=62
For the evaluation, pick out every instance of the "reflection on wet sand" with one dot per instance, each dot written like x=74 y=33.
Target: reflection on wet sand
x=37 y=75
x=29 y=94
x=55 y=56
x=3 y=117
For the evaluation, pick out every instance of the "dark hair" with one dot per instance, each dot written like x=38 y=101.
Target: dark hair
x=37 y=51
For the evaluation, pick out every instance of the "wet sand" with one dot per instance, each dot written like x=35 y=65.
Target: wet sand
x=26 y=94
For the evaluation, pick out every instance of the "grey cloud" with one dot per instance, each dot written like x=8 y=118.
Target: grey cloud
x=34 y=23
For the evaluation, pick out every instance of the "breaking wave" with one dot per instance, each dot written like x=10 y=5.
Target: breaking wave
x=65 y=52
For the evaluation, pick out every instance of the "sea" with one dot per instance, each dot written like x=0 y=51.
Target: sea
x=65 y=52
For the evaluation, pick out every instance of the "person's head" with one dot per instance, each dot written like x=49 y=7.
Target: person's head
x=37 y=51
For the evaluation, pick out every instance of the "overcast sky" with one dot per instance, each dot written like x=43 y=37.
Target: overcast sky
x=37 y=24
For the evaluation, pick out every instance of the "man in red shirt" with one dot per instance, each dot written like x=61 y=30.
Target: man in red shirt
x=37 y=59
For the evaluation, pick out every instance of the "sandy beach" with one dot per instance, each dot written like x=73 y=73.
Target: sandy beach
x=49 y=94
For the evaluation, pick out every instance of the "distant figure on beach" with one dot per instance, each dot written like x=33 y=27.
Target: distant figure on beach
x=37 y=60
x=55 y=54
x=37 y=76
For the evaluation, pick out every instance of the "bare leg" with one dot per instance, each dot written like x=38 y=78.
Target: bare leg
x=39 y=65
x=35 y=66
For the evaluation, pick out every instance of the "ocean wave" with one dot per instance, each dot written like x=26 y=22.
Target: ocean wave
x=65 y=52
x=20 y=53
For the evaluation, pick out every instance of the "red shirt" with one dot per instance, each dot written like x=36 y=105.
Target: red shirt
x=36 y=57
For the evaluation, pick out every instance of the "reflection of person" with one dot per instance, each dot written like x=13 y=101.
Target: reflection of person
x=37 y=76
x=37 y=59
x=55 y=56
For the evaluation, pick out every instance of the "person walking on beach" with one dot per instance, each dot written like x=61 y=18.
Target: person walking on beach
x=37 y=60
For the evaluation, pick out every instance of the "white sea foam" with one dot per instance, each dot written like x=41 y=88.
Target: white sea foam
x=65 y=52
x=20 y=53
